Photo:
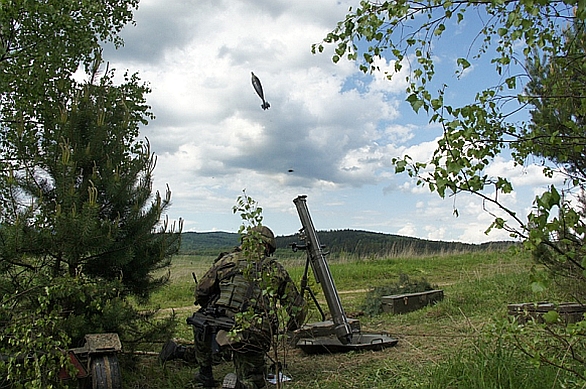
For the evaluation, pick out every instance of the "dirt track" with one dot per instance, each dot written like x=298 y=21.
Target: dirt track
x=189 y=308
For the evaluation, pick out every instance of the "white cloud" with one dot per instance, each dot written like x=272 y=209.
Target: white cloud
x=398 y=133
x=435 y=233
x=408 y=230
x=397 y=83
x=410 y=186
x=208 y=114
x=423 y=151
x=530 y=175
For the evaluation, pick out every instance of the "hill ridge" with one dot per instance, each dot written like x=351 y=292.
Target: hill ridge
x=350 y=241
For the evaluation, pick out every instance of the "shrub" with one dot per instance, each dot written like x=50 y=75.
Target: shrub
x=373 y=303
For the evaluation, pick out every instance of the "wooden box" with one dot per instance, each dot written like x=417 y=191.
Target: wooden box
x=403 y=303
x=569 y=312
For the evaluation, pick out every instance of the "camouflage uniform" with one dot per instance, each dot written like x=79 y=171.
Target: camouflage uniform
x=227 y=289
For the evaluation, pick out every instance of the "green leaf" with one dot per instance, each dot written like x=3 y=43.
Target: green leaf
x=400 y=166
x=415 y=101
x=537 y=287
x=551 y=317
x=439 y=30
x=463 y=62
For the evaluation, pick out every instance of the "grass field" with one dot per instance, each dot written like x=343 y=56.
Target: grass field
x=448 y=345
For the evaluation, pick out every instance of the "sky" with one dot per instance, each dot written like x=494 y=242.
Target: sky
x=330 y=133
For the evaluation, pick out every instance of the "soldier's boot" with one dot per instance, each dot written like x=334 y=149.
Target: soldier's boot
x=171 y=351
x=230 y=381
x=205 y=377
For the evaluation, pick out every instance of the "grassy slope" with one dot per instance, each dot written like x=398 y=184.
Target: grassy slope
x=443 y=346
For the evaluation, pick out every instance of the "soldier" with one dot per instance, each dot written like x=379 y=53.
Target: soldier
x=231 y=286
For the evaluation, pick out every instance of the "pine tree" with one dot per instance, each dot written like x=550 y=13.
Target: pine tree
x=88 y=190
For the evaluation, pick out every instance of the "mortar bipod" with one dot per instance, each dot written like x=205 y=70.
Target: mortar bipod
x=304 y=279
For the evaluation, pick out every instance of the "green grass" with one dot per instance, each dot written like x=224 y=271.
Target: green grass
x=442 y=346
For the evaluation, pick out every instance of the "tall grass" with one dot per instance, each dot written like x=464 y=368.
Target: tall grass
x=492 y=363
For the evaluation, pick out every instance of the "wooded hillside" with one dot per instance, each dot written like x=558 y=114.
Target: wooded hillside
x=353 y=242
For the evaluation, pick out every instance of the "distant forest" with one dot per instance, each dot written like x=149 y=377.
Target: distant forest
x=352 y=242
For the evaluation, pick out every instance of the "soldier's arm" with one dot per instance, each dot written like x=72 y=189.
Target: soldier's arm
x=205 y=288
x=209 y=288
x=297 y=307
x=292 y=300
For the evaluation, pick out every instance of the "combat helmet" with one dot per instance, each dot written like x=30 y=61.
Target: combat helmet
x=267 y=236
